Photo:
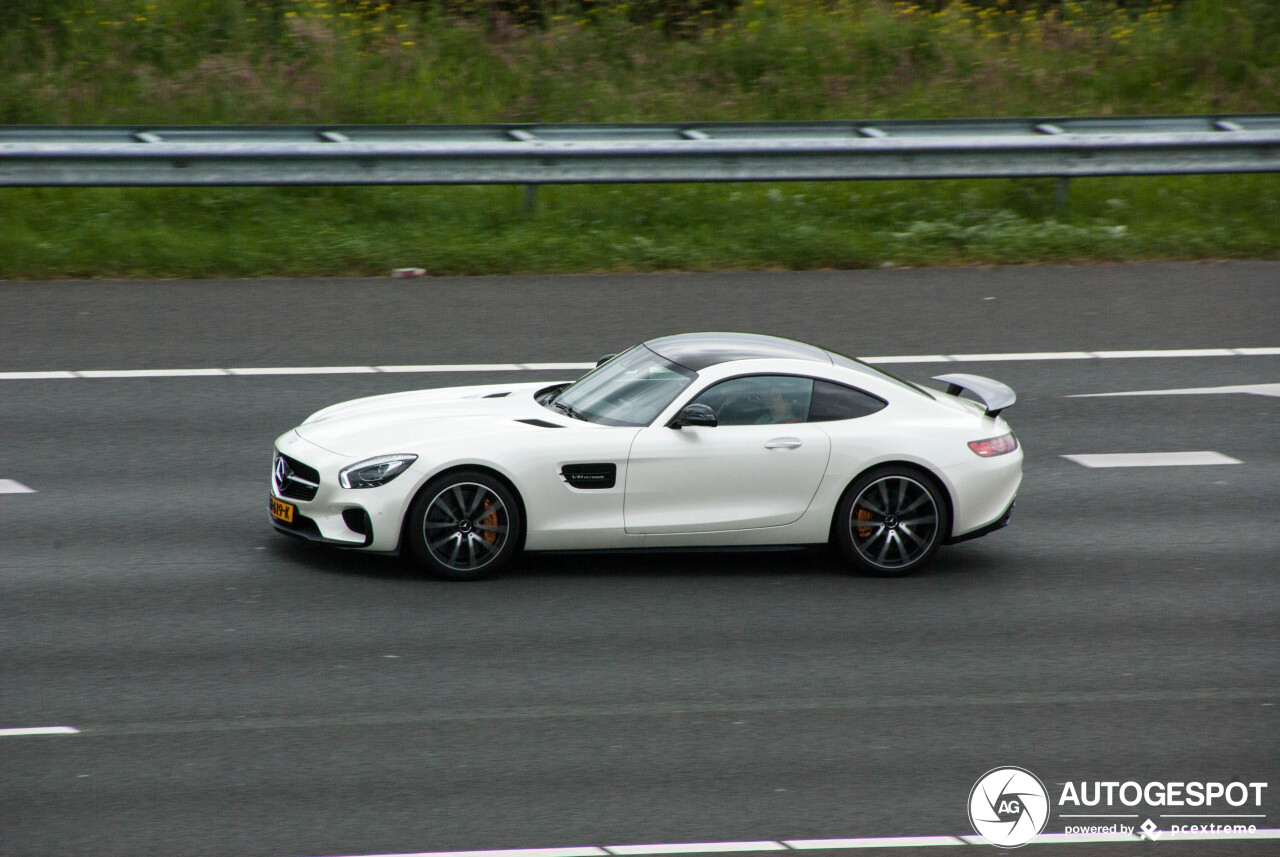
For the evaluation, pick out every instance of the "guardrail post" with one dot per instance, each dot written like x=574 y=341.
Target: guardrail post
x=530 y=197
x=1060 y=190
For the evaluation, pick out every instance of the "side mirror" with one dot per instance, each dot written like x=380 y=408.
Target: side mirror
x=695 y=415
x=605 y=359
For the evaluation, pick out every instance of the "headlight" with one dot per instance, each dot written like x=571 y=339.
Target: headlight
x=373 y=472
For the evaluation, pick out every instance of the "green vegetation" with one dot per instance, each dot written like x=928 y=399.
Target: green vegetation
x=364 y=61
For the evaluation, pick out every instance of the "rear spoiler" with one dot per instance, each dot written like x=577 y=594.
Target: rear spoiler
x=994 y=395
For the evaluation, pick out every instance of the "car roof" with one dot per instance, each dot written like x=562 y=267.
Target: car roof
x=697 y=351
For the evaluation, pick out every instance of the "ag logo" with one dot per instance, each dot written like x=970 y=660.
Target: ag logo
x=1008 y=807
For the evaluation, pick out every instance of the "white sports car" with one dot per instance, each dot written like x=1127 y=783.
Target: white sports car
x=725 y=440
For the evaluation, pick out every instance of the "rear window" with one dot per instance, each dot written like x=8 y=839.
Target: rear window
x=850 y=363
x=837 y=402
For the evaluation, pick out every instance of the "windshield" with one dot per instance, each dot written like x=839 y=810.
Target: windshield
x=629 y=390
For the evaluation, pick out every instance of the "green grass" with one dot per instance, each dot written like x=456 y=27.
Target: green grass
x=311 y=61
x=257 y=232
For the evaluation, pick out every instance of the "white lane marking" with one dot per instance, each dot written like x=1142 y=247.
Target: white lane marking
x=1031 y=356
x=445 y=367
x=555 y=367
x=1252 y=389
x=910 y=358
x=13 y=486
x=1073 y=355
x=1067 y=838
x=836 y=844
x=148 y=373
x=509 y=852
x=696 y=847
x=880 y=842
x=1153 y=459
x=39 y=730
x=305 y=370
x=1166 y=836
x=1175 y=352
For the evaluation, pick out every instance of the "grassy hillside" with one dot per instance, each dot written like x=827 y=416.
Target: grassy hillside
x=364 y=61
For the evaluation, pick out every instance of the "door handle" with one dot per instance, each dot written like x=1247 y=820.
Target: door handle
x=782 y=443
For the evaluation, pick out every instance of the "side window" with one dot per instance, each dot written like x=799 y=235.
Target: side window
x=759 y=400
x=838 y=402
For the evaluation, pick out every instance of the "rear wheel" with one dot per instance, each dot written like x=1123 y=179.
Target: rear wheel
x=464 y=525
x=891 y=521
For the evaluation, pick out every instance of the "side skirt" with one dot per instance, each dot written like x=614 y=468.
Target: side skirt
x=691 y=549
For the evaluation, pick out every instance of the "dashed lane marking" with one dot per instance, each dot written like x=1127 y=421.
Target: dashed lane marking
x=695 y=848
x=13 y=486
x=38 y=730
x=1075 y=355
x=835 y=844
x=1170 y=352
x=554 y=367
x=1250 y=389
x=509 y=852
x=1199 y=458
x=464 y=367
x=148 y=373
x=872 y=842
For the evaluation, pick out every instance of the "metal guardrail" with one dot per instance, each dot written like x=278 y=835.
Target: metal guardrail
x=561 y=154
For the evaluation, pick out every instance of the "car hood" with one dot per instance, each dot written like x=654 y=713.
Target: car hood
x=403 y=422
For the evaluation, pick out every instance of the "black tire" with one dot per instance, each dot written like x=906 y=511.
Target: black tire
x=890 y=521
x=465 y=525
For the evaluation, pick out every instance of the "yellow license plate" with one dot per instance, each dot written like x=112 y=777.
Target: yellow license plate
x=282 y=511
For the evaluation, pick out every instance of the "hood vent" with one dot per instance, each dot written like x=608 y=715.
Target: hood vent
x=497 y=395
x=540 y=423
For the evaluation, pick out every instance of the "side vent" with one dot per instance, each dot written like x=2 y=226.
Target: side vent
x=590 y=475
x=540 y=423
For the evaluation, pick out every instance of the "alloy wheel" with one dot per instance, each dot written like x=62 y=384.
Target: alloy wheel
x=466 y=526
x=894 y=522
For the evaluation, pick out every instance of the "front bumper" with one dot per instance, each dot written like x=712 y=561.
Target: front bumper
x=303 y=527
x=365 y=518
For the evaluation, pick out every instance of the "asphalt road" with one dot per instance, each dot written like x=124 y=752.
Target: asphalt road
x=242 y=694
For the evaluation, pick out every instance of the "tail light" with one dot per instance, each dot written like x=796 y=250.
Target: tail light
x=994 y=446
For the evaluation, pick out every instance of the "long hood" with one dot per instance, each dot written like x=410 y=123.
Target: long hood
x=404 y=422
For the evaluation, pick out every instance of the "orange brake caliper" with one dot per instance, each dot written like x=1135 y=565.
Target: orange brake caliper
x=490 y=520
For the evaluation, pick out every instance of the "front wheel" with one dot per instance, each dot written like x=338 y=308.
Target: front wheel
x=464 y=525
x=890 y=521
